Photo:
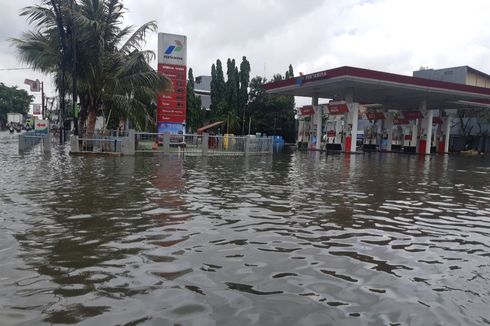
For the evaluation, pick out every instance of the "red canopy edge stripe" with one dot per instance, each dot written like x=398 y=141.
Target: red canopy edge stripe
x=376 y=75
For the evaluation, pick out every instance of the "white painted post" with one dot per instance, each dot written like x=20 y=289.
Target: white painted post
x=429 y=116
x=447 y=134
x=74 y=144
x=166 y=142
x=205 y=143
x=355 y=118
x=389 y=130
x=415 y=136
x=319 y=118
x=314 y=102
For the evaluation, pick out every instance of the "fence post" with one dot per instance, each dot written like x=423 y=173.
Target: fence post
x=131 y=142
x=205 y=144
x=166 y=142
x=46 y=143
x=272 y=145
x=74 y=144
x=247 y=140
x=22 y=144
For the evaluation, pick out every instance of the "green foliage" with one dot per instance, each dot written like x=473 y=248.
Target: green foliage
x=195 y=114
x=218 y=93
x=273 y=115
x=243 y=90
x=270 y=114
x=84 y=45
x=13 y=100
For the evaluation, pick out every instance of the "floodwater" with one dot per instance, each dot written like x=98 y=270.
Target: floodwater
x=294 y=239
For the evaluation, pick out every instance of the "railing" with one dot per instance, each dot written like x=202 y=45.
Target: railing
x=29 y=139
x=104 y=141
x=204 y=144
x=98 y=144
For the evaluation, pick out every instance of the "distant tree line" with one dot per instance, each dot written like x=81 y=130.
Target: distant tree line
x=13 y=100
x=242 y=103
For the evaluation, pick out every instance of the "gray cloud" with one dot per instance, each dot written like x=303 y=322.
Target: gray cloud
x=391 y=35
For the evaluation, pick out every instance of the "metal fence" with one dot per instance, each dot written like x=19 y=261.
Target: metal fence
x=104 y=141
x=29 y=139
x=98 y=144
x=193 y=144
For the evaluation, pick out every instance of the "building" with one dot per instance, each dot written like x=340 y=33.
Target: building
x=459 y=75
x=202 y=88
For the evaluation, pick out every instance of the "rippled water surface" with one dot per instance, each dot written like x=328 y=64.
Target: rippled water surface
x=294 y=239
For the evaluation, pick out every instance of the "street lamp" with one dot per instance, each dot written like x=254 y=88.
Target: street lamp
x=37 y=86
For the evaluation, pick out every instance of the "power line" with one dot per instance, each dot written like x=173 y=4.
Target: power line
x=15 y=68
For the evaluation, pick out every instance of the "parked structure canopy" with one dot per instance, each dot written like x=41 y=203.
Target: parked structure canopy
x=393 y=91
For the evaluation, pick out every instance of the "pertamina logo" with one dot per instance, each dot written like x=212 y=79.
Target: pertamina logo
x=172 y=50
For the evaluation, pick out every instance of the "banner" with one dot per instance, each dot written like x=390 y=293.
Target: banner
x=172 y=62
x=375 y=116
x=413 y=115
x=307 y=110
x=335 y=108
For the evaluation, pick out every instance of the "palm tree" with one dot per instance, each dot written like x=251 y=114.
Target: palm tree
x=110 y=73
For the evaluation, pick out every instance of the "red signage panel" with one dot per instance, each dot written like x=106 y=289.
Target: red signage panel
x=413 y=115
x=400 y=121
x=307 y=110
x=171 y=106
x=338 y=108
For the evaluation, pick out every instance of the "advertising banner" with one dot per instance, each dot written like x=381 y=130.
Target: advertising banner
x=173 y=128
x=337 y=108
x=172 y=62
x=307 y=110
x=413 y=115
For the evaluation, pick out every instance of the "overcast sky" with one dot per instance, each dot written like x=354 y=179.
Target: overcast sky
x=397 y=36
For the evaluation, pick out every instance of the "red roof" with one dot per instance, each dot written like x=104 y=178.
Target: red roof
x=375 y=75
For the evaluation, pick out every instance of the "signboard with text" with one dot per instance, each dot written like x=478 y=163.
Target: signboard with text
x=172 y=62
x=307 y=110
x=413 y=115
x=335 y=108
x=41 y=127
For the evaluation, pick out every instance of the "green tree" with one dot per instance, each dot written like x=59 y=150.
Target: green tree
x=218 y=93
x=13 y=100
x=271 y=114
x=231 y=114
x=289 y=73
x=110 y=71
x=243 y=91
x=195 y=114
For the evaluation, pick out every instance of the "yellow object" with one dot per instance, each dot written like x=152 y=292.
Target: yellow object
x=228 y=141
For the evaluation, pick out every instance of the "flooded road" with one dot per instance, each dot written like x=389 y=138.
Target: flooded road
x=294 y=239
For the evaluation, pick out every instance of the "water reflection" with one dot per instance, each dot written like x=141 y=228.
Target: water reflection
x=299 y=239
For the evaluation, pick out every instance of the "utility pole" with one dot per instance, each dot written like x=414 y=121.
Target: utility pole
x=43 y=112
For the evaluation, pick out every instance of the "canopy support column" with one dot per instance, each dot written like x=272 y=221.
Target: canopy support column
x=447 y=133
x=318 y=119
x=428 y=144
x=389 y=130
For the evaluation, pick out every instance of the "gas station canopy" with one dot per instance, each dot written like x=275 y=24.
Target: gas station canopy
x=393 y=91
